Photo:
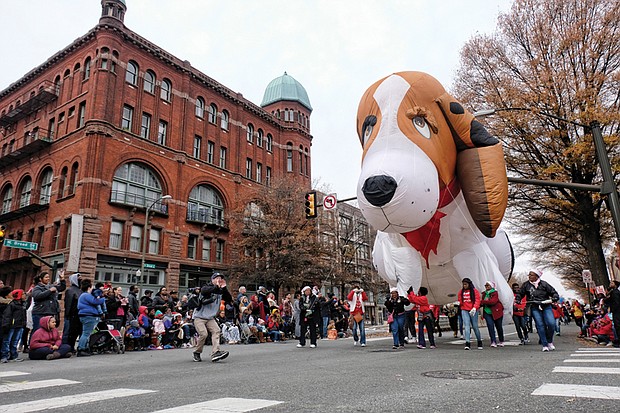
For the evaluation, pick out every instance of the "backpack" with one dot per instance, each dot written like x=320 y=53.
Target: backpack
x=195 y=302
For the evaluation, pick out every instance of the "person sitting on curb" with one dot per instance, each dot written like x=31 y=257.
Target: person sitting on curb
x=46 y=342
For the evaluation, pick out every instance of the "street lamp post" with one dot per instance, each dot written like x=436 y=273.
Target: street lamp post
x=140 y=272
x=608 y=186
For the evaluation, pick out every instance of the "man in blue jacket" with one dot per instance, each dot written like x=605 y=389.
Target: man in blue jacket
x=211 y=295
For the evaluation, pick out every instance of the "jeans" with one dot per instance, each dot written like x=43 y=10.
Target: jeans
x=492 y=325
x=325 y=323
x=88 y=325
x=460 y=316
x=362 y=336
x=545 y=323
x=470 y=322
x=9 y=343
x=429 y=323
x=398 y=329
x=42 y=352
x=520 y=326
x=558 y=323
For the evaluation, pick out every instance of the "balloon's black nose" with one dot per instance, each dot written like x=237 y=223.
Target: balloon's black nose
x=379 y=189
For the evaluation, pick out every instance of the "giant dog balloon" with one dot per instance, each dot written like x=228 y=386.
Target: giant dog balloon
x=433 y=183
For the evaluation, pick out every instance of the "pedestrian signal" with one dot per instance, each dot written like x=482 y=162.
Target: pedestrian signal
x=311 y=204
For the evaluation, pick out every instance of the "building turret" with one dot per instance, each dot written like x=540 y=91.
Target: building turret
x=113 y=12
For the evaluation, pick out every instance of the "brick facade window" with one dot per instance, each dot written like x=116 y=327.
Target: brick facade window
x=149 y=81
x=205 y=205
x=131 y=74
x=166 y=90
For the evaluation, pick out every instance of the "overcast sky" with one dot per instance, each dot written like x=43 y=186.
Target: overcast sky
x=334 y=48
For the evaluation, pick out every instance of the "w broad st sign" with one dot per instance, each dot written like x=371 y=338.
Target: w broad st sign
x=24 y=245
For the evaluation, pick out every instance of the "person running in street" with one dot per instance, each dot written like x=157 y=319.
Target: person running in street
x=469 y=301
x=211 y=296
x=540 y=294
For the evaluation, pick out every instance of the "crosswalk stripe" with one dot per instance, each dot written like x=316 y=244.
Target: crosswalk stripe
x=28 y=385
x=227 y=404
x=70 y=400
x=607 y=349
x=578 y=390
x=587 y=360
x=593 y=370
x=12 y=373
x=597 y=354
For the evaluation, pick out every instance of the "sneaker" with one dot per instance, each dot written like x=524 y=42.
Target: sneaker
x=363 y=344
x=421 y=346
x=312 y=345
x=394 y=347
x=197 y=357
x=467 y=346
x=160 y=348
x=545 y=348
x=4 y=361
x=493 y=345
x=55 y=355
x=609 y=344
x=551 y=346
x=480 y=345
x=300 y=345
x=18 y=359
x=219 y=355
x=522 y=342
x=501 y=344
x=355 y=343
x=527 y=341
x=83 y=353
x=433 y=347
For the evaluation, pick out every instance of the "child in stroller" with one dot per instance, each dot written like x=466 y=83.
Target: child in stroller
x=106 y=337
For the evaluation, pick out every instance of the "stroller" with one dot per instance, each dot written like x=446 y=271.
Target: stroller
x=106 y=337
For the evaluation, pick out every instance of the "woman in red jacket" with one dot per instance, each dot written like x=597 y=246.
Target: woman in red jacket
x=425 y=316
x=493 y=313
x=469 y=300
x=46 y=342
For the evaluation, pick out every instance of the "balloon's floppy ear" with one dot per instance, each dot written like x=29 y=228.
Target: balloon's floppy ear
x=480 y=166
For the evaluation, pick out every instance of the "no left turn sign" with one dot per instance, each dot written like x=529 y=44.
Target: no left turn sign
x=329 y=202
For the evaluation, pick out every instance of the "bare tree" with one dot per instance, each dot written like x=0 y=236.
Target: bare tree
x=558 y=57
x=276 y=244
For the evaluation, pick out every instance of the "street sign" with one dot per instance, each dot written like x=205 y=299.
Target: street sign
x=587 y=276
x=329 y=202
x=147 y=265
x=24 y=245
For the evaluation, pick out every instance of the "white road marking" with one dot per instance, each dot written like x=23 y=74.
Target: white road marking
x=587 y=360
x=70 y=400
x=597 y=354
x=578 y=390
x=606 y=349
x=29 y=385
x=12 y=373
x=592 y=370
x=227 y=404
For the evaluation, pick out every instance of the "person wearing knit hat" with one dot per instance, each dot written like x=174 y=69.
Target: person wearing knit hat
x=540 y=294
x=308 y=317
x=13 y=323
x=493 y=313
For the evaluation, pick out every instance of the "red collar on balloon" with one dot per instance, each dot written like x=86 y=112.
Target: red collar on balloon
x=426 y=238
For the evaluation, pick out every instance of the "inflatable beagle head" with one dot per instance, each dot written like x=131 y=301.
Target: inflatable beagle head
x=420 y=148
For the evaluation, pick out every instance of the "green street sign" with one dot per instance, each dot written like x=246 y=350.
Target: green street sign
x=147 y=265
x=24 y=245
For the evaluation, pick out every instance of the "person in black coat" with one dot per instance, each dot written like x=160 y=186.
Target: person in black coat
x=612 y=299
x=309 y=316
x=395 y=305
x=73 y=326
x=13 y=323
x=45 y=296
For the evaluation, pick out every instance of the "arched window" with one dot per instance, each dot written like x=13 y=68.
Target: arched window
x=250 y=133
x=225 y=118
x=269 y=143
x=87 y=68
x=136 y=184
x=301 y=159
x=259 y=138
x=205 y=206
x=131 y=75
x=149 y=81
x=57 y=85
x=73 y=178
x=67 y=73
x=62 y=182
x=200 y=107
x=46 y=187
x=7 y=199
x=76 y=67
x=289 y=157
x=307 y=161
x=212 y=113
x=166 y=90
x=25 y=192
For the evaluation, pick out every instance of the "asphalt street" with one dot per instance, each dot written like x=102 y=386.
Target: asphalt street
x=335 y=376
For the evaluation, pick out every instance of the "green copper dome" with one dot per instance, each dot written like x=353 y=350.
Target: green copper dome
x=285 y=88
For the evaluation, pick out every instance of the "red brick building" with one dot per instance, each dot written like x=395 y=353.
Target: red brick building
x=98 y=134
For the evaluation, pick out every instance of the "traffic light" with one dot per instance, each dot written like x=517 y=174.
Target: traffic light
x=311 y=204
x=2 y=233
